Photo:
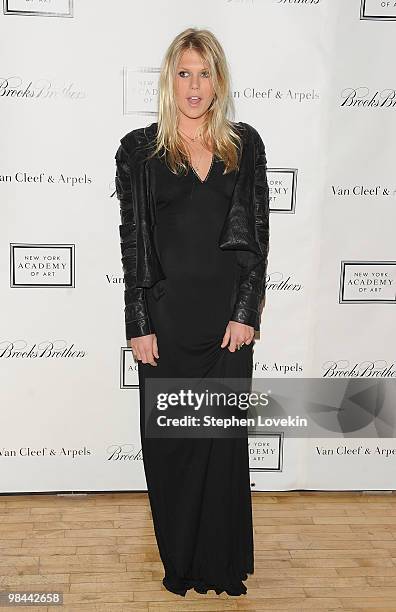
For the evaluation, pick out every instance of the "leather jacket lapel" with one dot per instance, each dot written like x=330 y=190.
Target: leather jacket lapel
x=148 y=265
x=239 y=226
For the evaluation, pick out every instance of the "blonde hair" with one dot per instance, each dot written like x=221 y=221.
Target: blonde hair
x=216 y=128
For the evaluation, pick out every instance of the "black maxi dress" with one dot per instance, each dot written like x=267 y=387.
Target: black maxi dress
x=199 y=488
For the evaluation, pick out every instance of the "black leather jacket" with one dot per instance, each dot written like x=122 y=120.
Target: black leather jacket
x=246 y=228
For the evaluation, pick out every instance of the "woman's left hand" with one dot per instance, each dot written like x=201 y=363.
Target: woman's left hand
x=237 y=334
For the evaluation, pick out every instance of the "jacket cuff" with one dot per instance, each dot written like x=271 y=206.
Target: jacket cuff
x=242 y=314
x=137 y=328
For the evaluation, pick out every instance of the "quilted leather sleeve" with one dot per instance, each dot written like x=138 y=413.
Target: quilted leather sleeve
x=253 y=268
x=137 y=319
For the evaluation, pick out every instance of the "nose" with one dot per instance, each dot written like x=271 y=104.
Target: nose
x=195 y=82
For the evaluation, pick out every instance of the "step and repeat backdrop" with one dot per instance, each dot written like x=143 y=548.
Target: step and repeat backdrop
x=315 y=78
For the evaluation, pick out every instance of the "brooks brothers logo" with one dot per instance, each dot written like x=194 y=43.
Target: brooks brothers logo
x=367 y=282
x=46 y=349
x=124 y=452
x=128 y=370
x=378 y=9
x=42 y=8
x=363 y=97
x=282 y=184
x=14 y=87
x=343 y=368
x=277 y=281
x=42 y=265
x=265 y=452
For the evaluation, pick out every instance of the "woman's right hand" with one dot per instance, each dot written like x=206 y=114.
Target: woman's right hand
x=145 y=348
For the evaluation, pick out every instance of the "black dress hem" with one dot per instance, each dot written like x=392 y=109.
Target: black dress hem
x=180 y=586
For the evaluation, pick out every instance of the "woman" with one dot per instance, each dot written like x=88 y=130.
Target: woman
x=194 y=241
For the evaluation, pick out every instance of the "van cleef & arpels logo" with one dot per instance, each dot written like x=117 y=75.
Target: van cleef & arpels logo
x=363 y=191
x=43 y=178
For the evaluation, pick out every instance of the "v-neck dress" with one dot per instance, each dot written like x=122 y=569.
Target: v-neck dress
x=199 y=488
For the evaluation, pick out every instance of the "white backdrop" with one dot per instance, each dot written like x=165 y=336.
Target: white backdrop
x=315 y=79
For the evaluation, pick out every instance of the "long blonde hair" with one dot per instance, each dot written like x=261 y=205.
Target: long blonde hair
x=216 y=128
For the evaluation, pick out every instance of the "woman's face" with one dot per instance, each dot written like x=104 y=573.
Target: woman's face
x=193 y=85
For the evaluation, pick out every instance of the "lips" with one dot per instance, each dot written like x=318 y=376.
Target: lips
x=194 y=101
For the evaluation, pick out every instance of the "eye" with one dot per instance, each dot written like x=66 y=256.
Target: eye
x=204 y=73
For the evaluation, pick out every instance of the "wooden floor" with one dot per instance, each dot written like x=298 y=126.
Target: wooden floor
x=313 y=551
